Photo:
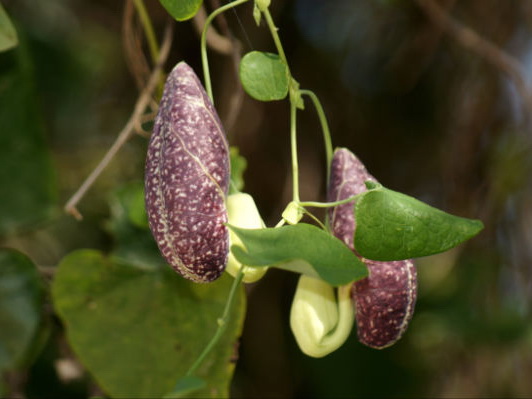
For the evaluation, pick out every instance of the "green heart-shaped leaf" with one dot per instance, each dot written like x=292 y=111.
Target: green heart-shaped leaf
x=264 y=76
x=138 y=331
x=301 y=248
x=182 y=10
x=21 y=299
x=185 y=387
x=394 y=226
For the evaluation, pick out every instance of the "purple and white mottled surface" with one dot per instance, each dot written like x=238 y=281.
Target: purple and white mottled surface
x=187 y=178
x=384 y=300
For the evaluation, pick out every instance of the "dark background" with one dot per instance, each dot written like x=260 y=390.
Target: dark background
x=427 y=116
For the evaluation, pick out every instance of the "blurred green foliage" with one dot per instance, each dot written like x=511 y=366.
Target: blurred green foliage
x=135 y=329
x=21 y=314
x=8 y=34
x=426 y=116
x=27 y=188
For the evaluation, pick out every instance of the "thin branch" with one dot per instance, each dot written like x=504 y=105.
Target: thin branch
x=471 y=40
x=129 y=128
x=237 y=94
x=215 y=41
x=132 y=39
x=141 y=131
x=148 y=29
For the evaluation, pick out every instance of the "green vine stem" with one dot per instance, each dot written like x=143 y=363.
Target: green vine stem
x=275 y=36
x=293 y=104
x=313 y=217
x=281 y=223
x=148 y=29
x=324 y=127
x=312 y=204
x=293 y=147
x=222 y=324
x=204 y=58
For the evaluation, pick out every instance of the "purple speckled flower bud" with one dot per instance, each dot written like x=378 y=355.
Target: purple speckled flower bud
x=384 y=300
x=186 y=179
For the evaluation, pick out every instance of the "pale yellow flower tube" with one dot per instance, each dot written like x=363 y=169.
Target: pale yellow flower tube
x=320 y=321
x=242 y=212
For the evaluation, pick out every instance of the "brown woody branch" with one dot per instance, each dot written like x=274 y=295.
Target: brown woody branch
x=215 y=40
x=471 y=40
x=132 y=37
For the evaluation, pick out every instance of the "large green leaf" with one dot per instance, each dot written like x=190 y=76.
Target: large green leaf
x=21 y=299
x=181 y=10
x=27 y=185
x=8 y=34
x=393 y=226
x=301 y=248
x=264 y=76
x=185 y=387
x=138 y=331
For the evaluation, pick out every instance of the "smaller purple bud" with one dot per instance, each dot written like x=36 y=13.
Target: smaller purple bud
x=385 y=302
x=187 y=178
x=385 y=299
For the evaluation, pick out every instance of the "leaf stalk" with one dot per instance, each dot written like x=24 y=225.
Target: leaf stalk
x=222 y=323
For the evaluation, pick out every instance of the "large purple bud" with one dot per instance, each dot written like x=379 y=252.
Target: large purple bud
x=187 y=178
x=385 y=299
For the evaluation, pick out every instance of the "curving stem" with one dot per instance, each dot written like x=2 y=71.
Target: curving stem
x=204 y=58
x=222 y=323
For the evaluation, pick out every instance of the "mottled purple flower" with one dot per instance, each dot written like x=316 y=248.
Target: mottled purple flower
x=384 y=300
x=187 y=178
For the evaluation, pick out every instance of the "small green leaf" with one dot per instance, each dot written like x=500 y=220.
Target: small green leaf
x=8 y=34
x=185 y=386
x=301 y=248
x=138 y=331
x=295 y=94
x=238 y=167
x=264 y=76
x=21 y=299
x=257 y=15
x=394 y=226
x=182 y=10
